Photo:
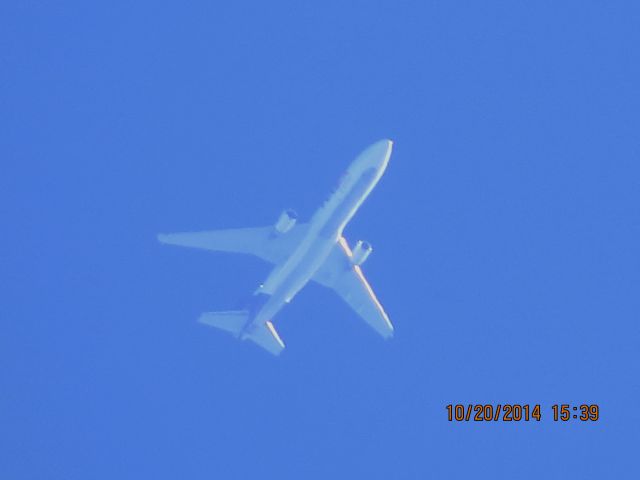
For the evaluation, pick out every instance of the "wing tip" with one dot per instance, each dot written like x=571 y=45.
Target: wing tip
x=388 y=335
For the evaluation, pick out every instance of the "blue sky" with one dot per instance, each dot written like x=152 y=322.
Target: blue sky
x=505 y=234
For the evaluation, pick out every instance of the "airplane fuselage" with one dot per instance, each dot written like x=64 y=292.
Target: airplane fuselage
x=325 y=229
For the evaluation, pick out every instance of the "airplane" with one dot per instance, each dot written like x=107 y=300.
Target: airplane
x=302 y=252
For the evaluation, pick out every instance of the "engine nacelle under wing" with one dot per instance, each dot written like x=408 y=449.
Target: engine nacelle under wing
x=286 y=221
x=361 y=251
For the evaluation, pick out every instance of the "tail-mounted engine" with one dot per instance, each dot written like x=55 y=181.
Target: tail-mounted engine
x=360 y=252
x=286 y=221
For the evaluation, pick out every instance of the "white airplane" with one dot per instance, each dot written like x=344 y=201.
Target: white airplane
x=301 y=252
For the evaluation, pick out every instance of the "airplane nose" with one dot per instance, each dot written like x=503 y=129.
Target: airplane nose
x=378 y=154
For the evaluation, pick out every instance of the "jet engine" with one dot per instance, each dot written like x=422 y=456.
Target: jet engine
x=360 y=252
x=286 y=221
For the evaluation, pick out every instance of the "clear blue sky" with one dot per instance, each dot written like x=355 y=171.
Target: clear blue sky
x=505 y=230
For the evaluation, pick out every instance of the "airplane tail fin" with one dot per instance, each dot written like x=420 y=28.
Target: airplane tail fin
x=235 y=322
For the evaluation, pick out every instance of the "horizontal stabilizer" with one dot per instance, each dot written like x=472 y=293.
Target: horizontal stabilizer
x=231 y=321
x=267 y=337
x=235 y=322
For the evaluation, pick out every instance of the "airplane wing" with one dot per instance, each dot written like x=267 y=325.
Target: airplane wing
x=348 y=281
x=263 y=242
